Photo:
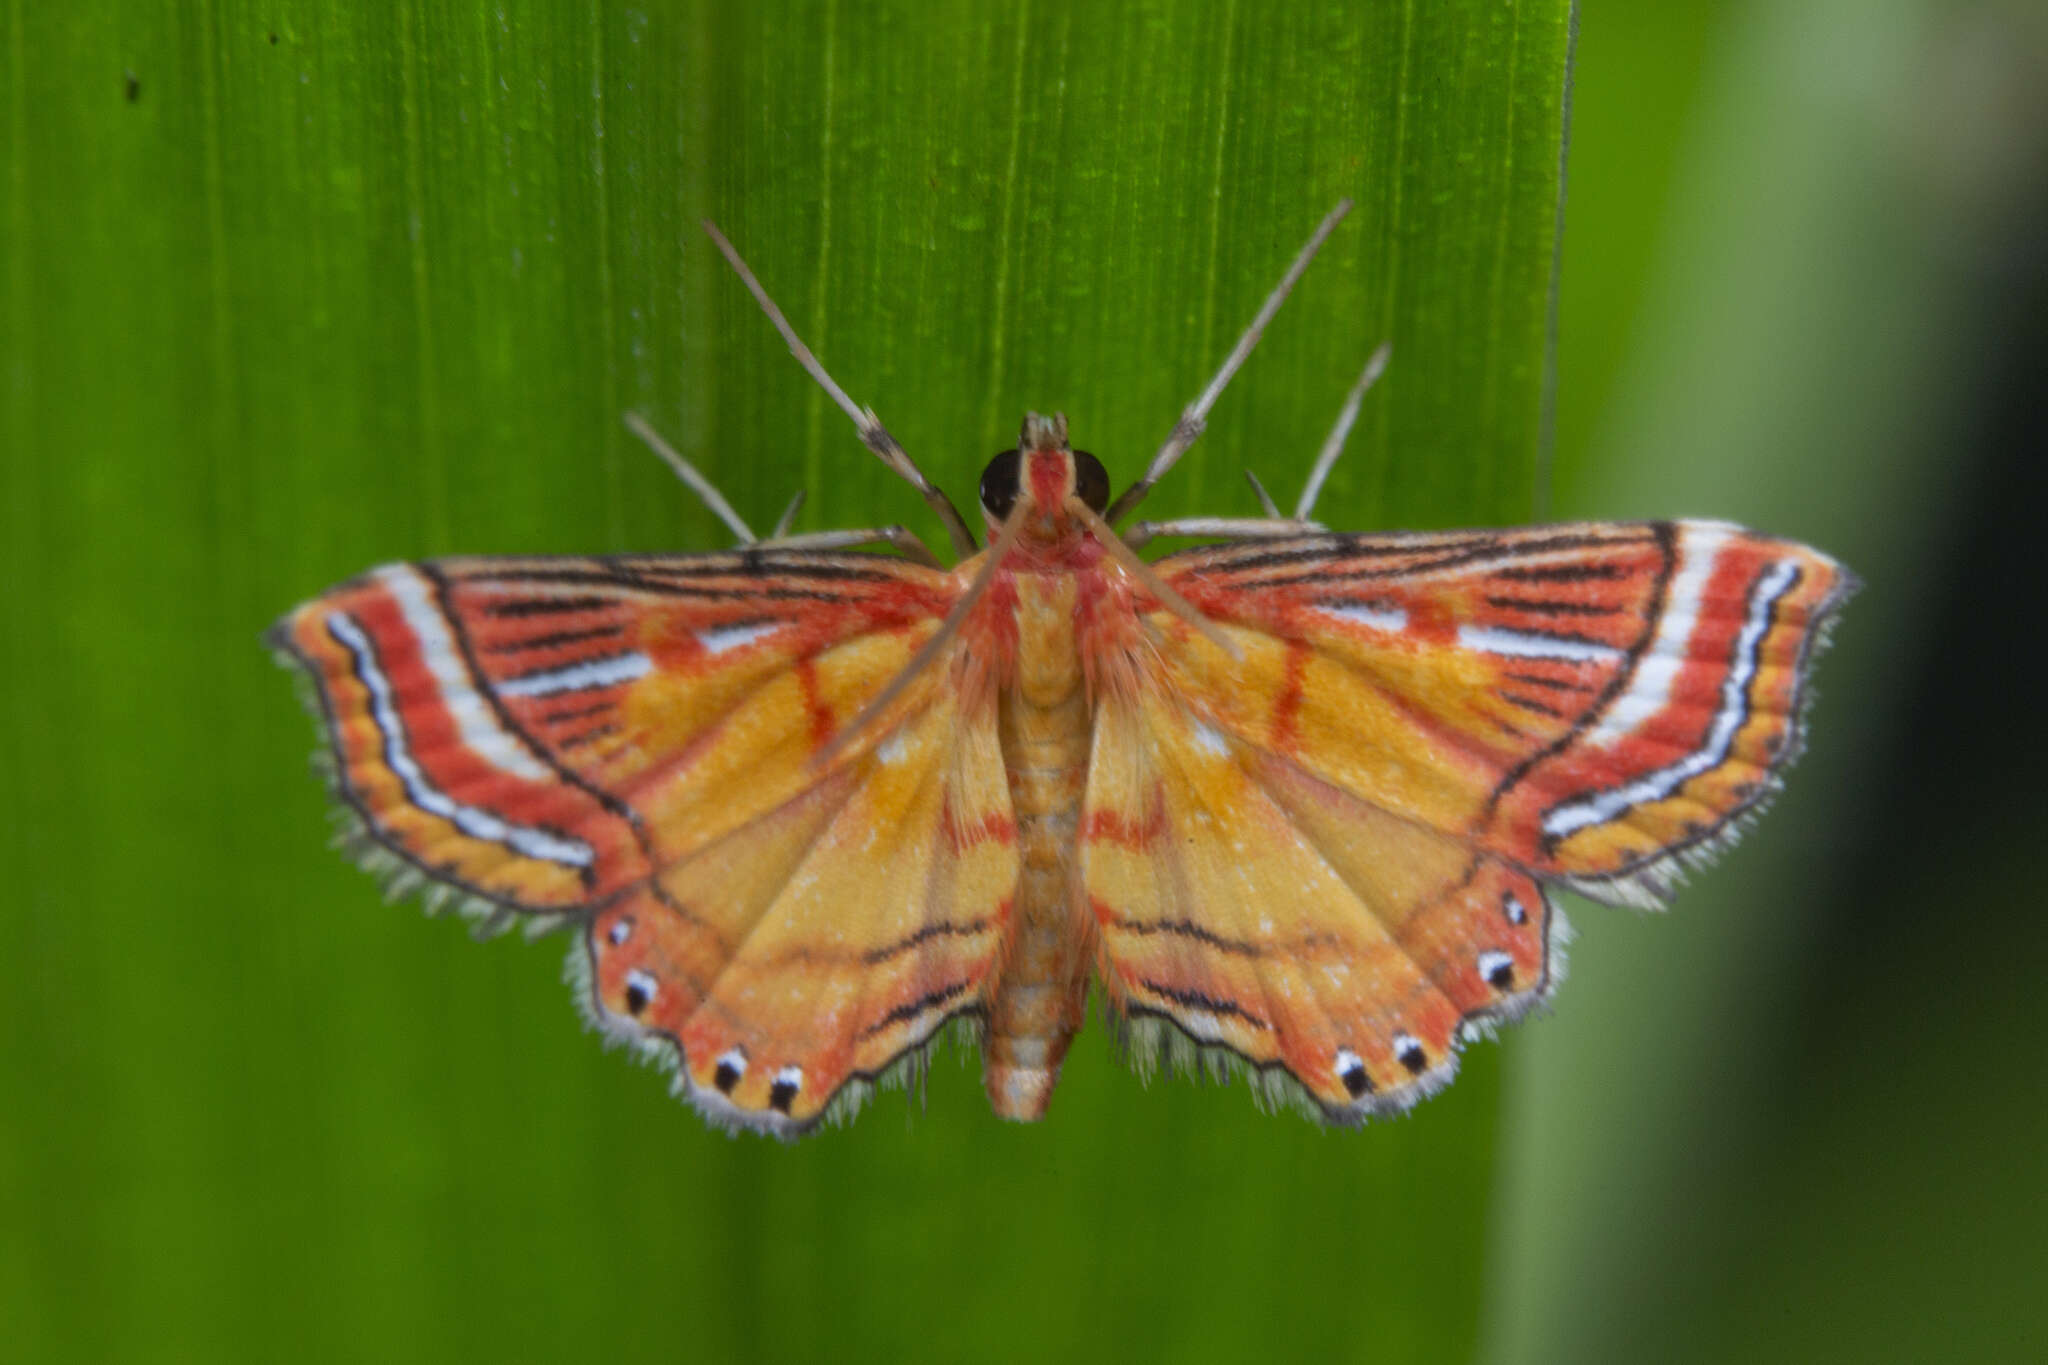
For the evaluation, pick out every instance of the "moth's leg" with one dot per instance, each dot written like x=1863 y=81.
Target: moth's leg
x=1228 y=528
x=1265 y=498
x=788 y=517
x=1273 y=526
x=1195 y=416
x=898 y=536
x=1333 y=444
x=691 y=476
x=779 y=538
x=872 y=433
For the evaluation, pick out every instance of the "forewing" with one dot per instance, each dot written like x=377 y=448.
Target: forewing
x=633 y=742
x=1591 y=702
x=538 y=735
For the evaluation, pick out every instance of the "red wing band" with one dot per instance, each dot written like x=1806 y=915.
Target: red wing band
x=1603 y=806
x=476 y=823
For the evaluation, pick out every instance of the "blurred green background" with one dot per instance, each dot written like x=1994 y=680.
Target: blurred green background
x=293 y=289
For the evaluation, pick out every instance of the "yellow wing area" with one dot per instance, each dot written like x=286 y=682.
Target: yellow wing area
x=1340 y=950
x=1593 y=701
x=801 y=947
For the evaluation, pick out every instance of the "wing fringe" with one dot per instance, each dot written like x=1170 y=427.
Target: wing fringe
x=908 y=1070
x=1150 y=1042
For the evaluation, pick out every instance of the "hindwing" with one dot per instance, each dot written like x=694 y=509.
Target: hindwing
x=1339 y=949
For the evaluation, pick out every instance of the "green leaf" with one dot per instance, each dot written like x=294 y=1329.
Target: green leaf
x=292 y=290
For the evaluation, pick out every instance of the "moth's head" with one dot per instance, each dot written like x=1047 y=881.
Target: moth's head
x=1042 y=472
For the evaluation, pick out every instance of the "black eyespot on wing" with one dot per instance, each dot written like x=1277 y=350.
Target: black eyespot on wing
x=1409 y=1053
x=640 y=989
x=1091 y=482
x=1498 y=969
x=1000 y=483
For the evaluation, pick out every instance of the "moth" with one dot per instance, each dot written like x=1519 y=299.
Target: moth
x=1297 y=800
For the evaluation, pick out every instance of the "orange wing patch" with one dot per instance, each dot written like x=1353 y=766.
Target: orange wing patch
x=1698 y=731
x=435 y=778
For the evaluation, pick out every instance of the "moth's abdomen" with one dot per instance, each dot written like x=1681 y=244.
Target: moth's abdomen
x=1045 y=726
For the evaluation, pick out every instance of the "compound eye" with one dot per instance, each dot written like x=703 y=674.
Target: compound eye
x=1000 y=484
x=1091 y=482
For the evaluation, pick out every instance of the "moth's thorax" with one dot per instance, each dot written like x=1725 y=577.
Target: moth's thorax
x=1060 y=613
x=1048 y=665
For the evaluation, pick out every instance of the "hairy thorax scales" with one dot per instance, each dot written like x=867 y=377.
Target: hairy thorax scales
x=1045 y=721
